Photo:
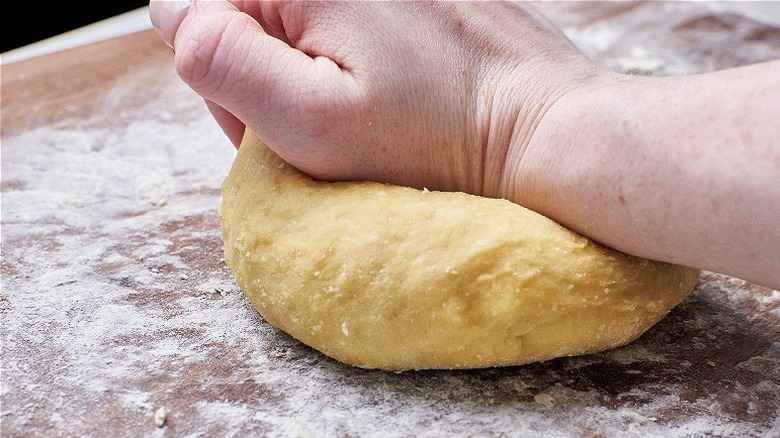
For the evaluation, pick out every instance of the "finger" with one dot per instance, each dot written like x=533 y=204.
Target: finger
x=267 y=14
x=166 y=16
x=230 y=124
x=227 y=57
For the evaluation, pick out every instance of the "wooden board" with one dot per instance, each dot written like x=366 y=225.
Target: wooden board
x=116 y=301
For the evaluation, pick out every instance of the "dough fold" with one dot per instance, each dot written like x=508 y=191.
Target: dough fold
x=389 y=277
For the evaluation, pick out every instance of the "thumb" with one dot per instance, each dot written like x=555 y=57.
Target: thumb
x=225 y=56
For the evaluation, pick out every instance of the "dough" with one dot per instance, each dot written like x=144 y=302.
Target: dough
x=388 y=277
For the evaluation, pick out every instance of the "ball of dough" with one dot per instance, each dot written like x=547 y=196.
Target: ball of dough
x=381 y=276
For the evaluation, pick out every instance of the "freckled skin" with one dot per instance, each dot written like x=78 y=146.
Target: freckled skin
x=490 y=98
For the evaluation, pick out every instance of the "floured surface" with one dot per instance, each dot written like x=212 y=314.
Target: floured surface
x=115 y=300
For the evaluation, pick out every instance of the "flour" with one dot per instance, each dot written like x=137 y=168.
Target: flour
x=111 y=307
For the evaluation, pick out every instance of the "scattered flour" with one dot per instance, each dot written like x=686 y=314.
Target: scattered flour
x=115 y=304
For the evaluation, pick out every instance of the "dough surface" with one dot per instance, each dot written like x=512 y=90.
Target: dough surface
x=382 y=276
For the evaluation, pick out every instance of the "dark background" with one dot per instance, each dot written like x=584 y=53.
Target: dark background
x=24 y=22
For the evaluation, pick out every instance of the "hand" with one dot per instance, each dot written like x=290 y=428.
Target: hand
x=491 y=99
x=444 y=95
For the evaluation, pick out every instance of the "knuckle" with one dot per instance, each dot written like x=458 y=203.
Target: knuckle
x=209 y=57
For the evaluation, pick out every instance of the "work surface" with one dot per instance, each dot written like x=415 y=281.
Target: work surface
x=116 y=301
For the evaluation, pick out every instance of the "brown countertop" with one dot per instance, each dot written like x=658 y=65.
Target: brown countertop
x=116 y=302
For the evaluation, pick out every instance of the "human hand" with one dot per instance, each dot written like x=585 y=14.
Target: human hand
x=489 y=98
x=444 y=95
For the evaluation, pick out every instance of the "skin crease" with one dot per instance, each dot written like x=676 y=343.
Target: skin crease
x=491 y=99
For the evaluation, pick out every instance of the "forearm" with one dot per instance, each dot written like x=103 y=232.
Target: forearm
x=682 y=169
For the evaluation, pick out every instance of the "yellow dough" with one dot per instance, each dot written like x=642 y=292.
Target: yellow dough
x=381 y=276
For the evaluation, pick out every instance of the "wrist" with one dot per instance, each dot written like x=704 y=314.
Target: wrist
x=568 y=130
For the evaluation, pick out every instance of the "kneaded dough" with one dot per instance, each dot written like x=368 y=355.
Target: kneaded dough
x=388 y=277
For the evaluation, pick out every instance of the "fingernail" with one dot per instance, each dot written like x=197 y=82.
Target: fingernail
x=167 y=15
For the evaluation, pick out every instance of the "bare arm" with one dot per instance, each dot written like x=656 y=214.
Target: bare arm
x=492 y=99
x=681 y=169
